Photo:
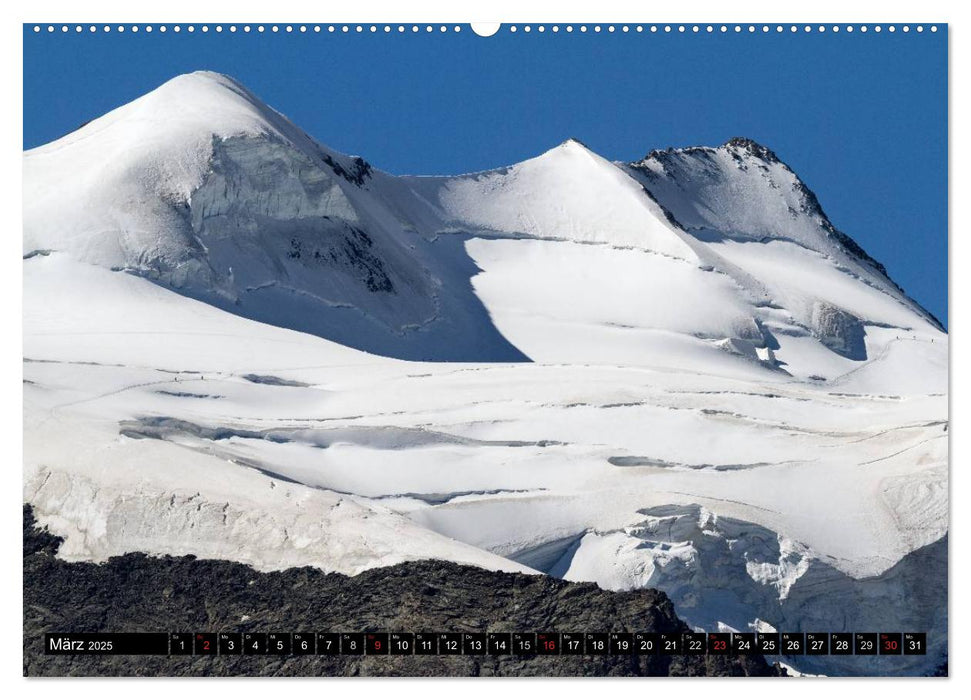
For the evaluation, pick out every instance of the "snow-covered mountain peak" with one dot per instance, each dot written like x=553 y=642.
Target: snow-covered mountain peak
x=574 y=143
x=200 y=186
x=571 y=152
x=157 y=146
x=741 y=192
x=164 y=139
x=568 y=193
x=189 y=107
x=211 y=101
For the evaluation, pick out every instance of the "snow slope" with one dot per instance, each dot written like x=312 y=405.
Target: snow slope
x=675 y=373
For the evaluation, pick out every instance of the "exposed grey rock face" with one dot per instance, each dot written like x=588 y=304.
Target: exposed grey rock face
x=268 y=215
x=136 y=593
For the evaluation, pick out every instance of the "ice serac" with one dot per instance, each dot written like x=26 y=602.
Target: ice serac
x=723 y=573
x=673 y=373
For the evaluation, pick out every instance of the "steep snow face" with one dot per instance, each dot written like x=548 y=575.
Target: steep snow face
x=742 y=191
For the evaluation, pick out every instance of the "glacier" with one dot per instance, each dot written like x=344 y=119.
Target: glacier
x=672 y=373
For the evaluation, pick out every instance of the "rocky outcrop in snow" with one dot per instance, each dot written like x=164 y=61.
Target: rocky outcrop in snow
x=840 y=331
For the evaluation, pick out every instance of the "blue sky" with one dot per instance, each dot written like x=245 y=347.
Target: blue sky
x=861 y=118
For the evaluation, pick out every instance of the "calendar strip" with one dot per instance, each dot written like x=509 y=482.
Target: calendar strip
x=488 y=643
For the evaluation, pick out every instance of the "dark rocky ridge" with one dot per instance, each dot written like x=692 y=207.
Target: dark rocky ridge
x=137 y=593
